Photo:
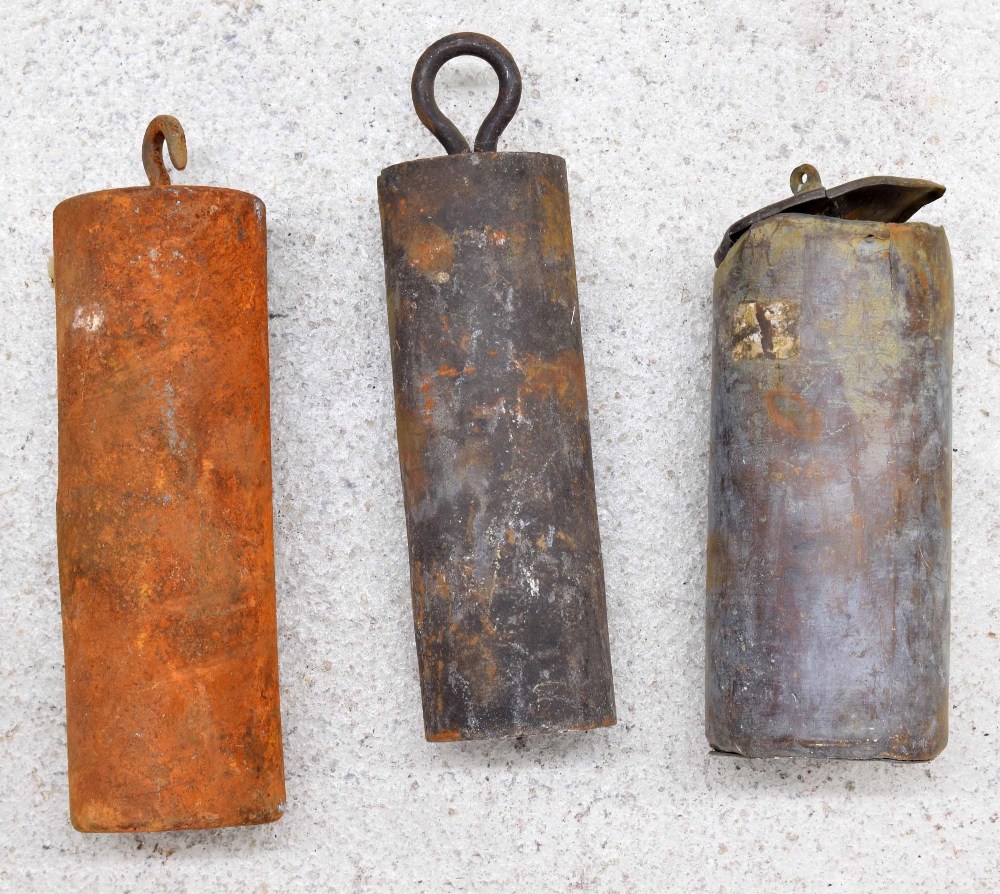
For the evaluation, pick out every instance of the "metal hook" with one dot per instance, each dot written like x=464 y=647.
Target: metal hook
x=429 y=64
x=805 y=178
x=163 y=127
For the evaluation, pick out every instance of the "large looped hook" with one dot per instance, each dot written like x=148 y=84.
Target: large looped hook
x=429 y=64
x=163 y=128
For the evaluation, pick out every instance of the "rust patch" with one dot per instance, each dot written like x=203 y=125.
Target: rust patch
x=445 y=735
x=429 y=249
x=793 y=414
x=562 y=378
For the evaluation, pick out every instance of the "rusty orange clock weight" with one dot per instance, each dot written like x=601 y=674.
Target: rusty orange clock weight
x=166 y=557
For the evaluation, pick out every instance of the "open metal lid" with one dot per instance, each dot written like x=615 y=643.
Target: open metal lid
x=883 y=199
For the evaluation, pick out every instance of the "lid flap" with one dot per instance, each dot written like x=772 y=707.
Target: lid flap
x=883 y=199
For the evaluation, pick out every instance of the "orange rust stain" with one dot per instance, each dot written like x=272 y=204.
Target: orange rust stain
x=450 y=372
x=793 y=414
x=563 y=377
x=441 y=673
x=428 y=248
x=445 y=735
x=429 y=403
x=606 y=720
x=497 y=237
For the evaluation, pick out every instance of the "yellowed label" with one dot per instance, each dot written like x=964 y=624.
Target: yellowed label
x=766 y=330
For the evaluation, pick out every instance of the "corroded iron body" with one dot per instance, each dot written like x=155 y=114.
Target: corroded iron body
x=494 y=439
x=164 y=507
x=830 y=490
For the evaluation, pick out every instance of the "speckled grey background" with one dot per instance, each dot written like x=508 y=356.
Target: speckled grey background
x=675 y=118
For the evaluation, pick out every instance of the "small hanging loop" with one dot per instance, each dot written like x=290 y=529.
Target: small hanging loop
x=429 y=64
x=805 y=178
x=163 y=128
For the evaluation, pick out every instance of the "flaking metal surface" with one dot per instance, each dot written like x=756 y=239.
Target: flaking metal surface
x=830 y=491
x=164 y=509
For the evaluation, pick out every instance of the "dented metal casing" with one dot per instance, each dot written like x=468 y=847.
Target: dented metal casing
x=164 y=505
x=830 y=488
x=494 y=441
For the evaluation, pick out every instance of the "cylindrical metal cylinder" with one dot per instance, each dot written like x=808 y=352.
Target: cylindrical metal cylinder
x=494 y=437
x=830 y=488
x=164 y=506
